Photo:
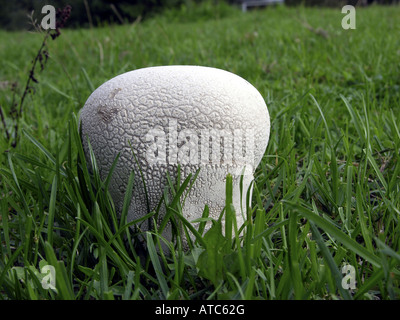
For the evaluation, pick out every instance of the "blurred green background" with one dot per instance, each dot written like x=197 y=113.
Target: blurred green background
x=88 y=13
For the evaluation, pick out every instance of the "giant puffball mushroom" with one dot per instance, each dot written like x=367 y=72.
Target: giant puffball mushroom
x=197 y=117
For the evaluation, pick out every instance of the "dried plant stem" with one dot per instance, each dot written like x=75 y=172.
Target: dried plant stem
x=28 y=86
x=41 y=57
x=32 y=72
x=3 y=120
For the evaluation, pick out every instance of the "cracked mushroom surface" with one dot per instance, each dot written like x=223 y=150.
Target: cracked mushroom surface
x=198 y=117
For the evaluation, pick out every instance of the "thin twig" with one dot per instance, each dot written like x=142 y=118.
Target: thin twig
x=28 y=87
x=32 y=72
x=88 y=13
x=114 y=8
x=3 y=120
x=41 y=57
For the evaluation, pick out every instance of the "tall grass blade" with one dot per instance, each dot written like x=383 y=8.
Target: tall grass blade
x=156 y=264
x=52 y=209
x=331 y=263
x=337 y=234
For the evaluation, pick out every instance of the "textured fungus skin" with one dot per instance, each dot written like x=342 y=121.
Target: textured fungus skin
x=149 y=108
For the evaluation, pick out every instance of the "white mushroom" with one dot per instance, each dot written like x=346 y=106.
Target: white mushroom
x=198 y=117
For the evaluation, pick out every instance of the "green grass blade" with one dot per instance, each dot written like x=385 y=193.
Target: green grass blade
x=294 y=266
x=52 y=208
x=156 y=264
x=63 y=286
x=355 y=118
x=228 y=209
x=337 y=234
x=127 y=198
x=88 y=81
x=328 y=133
x=331 y=263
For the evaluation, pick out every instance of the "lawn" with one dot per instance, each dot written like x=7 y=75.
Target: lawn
x=326 y=202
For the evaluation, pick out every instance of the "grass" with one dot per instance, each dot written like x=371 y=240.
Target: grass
x=326 y=194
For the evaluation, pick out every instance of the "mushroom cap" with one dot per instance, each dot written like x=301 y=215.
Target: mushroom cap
x=198 y=117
